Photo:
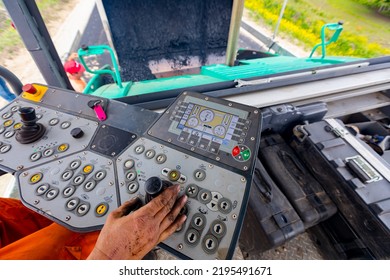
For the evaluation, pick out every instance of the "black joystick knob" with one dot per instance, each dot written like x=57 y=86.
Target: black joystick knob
x=154 y=186
x=30 y=131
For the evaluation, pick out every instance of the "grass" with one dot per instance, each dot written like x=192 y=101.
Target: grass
x=365 y=33
x=10 y=40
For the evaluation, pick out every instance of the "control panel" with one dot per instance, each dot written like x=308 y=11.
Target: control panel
x=78 y=157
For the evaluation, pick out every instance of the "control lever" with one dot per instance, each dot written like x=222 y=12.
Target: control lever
x=30 y=131
x=154 y=186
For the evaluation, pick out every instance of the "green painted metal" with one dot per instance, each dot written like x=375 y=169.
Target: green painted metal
x=98 y=50
x=337 y=28
x=221 y=73
x=212 y=73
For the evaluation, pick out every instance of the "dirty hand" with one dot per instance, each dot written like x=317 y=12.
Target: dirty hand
x=132 y=236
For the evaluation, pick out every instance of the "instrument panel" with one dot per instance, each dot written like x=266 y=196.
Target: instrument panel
x=77 y=166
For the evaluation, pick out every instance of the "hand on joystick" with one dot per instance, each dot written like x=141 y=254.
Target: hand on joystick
x=133 y=236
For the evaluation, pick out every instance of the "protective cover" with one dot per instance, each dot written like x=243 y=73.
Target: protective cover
x=355 y=177
x=270 y=219
x=304 y=192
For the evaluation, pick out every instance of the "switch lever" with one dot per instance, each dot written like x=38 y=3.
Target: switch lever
x=98 y=108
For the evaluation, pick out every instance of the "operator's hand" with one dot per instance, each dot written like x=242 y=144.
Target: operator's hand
x=133 y=236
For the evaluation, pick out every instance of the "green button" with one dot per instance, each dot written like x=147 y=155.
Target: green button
x=246 y=154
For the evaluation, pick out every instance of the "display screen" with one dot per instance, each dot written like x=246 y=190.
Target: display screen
x=207 y=125
x=209 y=121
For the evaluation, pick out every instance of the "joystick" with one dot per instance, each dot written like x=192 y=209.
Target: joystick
x=30 y=131
x=154 y=186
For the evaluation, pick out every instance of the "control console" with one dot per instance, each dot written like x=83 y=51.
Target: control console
x=74 y=166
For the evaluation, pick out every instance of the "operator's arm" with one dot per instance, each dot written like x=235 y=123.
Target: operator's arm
x=133 y=236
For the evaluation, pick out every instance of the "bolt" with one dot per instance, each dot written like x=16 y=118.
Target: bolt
x=180 y=246
x=67 y=218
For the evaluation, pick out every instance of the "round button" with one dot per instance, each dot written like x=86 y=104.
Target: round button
x=18 y=126
x=225 y=206
x=100 y=175
x=78 y=180
x=139 y=149
x=9 y=134
x=67 y=175
x=42 y=189
x=35 y=178
x=51 y=194
x=131 y=175
x=174 y=175
x=101 y=209
x=161 y=158
x=48 y=152
x=5 y=149
x=199 y=174
x=65 y=125
x=236 y=151
x=54 y=121
x=89 y=185
x=72 y=203
x=62 y=148
x=6 y=115
x=218 y=229
x=15 y=108
x=68 y=191
x=77 y=133
x=8 y=123
x=82 y=209
x=87 y=169
x=204 y=196
x=149 y=154
x=75 y=164
x=132 y=187
x=128 y=164
x=192 y=190
x=192 y=237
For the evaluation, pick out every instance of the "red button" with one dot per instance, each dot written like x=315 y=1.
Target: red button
x=29 y=88
x=236 y=151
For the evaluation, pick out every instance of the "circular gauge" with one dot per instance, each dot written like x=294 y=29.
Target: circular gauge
x=219 y=130
x=192 y=121
x=206 y=115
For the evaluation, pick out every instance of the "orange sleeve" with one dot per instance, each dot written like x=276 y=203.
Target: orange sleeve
x=26 y=235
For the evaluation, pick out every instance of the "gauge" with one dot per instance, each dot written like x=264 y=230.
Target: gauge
x=192 y=122
x=219 y=130
x=206 y=115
